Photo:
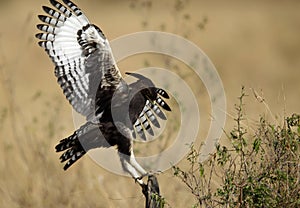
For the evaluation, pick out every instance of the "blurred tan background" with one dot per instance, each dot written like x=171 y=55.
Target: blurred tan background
x=254 y=43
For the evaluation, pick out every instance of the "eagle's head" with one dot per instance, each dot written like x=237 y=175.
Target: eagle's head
x=144 y=85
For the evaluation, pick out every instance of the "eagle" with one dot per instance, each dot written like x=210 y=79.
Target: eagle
x=115 y=111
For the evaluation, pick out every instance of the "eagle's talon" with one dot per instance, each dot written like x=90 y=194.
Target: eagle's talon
x=139 y=181
x=140 y=177
x=150 y=173
x=136 y=179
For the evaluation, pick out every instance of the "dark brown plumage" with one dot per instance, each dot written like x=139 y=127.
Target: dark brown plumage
x=90 y=79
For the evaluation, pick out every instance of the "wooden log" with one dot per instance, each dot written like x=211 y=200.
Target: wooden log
x=151 y=193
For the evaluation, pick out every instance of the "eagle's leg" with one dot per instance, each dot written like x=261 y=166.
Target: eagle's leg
x=136 y=165
x=128 y=167
x=126 y=154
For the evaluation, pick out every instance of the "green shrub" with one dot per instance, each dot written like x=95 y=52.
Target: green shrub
x=253 y=170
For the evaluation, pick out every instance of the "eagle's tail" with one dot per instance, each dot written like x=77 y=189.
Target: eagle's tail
x=73 y=150
x=76 y=145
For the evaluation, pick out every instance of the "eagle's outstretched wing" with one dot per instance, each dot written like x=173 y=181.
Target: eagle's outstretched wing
x=81 y=54
x=151 y=111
